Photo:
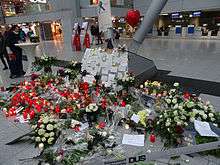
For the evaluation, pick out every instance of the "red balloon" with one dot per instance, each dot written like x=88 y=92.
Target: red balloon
x=133 y=17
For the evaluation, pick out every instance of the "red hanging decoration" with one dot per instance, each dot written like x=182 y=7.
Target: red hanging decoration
x=133 y=17
x=76 y=42
x=86 y=42
x=152 y=138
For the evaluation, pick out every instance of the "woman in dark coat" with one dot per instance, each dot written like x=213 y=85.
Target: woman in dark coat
x=16 y=66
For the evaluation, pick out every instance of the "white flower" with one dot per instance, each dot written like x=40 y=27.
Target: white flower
x=43 y=139
x=33 y=126
x=207 y=102
x=179 y=123
x=46 y=135
x=45 y=120
x=141 y=86
x=111 y=137
x=146 y=83
x=175 y=106
x=204 y=116
x=168 y=101
x=174 y=101
x=211 y=115
x=212 y=119
x=92 y=108
x=104 y=134
x=59 y=158
x=175 y=113
x=52 y=134
x=41 y=131
x=41 y=146
x=50 y=140
x=168 y=124
x=176 y=84
x=37 y=139
x=127 y=126
x=192 y=119
x=49 y=127
x=173 y=90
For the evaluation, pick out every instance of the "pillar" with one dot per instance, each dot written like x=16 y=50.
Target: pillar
x=150 y=17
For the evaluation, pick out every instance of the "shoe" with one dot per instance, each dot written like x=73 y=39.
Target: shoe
x=5 y=68
x=13 y=76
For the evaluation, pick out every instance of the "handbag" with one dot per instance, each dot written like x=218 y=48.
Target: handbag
x=11 y=55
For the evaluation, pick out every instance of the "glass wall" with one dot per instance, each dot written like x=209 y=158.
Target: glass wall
x=19 y=7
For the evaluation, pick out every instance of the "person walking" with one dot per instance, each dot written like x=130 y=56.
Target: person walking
x=99 y=36
x=2 y=51
x=14 y=52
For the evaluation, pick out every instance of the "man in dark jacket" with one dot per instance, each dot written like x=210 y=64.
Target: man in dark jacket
x=16 y=65
x=2 y=51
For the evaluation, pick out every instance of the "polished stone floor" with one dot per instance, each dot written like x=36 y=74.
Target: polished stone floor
x=196 y=61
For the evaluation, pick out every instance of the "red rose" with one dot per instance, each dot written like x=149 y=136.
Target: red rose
x=102 y=125
x=123 y=103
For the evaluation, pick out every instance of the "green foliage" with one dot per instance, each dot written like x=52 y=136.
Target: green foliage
x=74 y=157
x=201 y=140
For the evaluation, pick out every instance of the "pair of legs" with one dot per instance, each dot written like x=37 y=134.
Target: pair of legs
x=99 y=39
x=16 y=65
x=3 y=61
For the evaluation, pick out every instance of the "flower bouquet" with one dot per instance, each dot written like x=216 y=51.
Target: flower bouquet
x=44 y=62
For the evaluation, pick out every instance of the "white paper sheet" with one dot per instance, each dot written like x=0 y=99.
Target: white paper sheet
x=135 y=118
x=134 y=140
x=204 y=129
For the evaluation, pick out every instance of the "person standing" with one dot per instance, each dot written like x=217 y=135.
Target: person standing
x=2 y=51
x=16 y=65
x=93 y=33
x=99 y=36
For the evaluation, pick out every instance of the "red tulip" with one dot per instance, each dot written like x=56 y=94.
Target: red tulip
x=152 y=138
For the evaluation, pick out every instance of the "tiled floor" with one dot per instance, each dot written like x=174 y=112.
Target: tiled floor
x=197 y=59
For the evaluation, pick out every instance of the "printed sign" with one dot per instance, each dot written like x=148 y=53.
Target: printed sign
x=104 y=15
x=38 y=1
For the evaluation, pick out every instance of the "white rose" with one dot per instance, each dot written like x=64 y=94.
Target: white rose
x=211 y=115
x=50 y=140
x=37 y=139
x=146 y=84
x=179 y=123
x=141 y=86
x=168 y=101
x=175 y=113
x=45 y=120
x=43 y=139
x=174 y=101
x=168 y=124
x=192 y=120
x=173 y=90
x=175 y=106
x=49 y=127
x=41 y=131
x=33 y=126
x=204 y=116
x=41 y=146
x=52 y=134
x=176 y=84
x=59 y=158
x=46 y=135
